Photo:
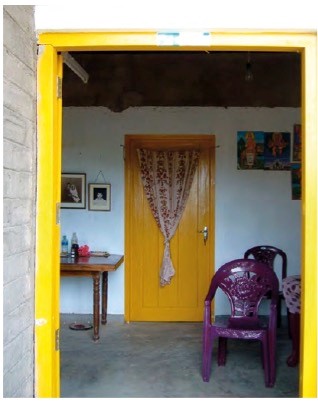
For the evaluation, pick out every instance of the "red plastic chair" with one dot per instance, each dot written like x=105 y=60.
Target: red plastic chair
x=245 y=282
x=267 y=254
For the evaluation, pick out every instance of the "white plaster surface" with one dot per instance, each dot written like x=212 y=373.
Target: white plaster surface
x=252 y=207
x=176 y=14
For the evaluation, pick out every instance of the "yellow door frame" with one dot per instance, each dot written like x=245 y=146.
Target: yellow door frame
x=47 y=277
x=49 y=170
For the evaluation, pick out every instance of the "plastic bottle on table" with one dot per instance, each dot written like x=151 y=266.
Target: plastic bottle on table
x=74 y=246
x=64 y=244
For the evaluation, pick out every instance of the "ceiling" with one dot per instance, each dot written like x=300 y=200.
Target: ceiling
x=119 y=80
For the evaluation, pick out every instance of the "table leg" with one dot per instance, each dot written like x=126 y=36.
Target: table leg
x=96 y=300
x=104 y=297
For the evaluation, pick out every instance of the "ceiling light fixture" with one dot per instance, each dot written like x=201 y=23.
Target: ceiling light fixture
x=75 y=67
x=248 y=71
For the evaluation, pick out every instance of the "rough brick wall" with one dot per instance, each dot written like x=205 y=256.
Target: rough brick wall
x=19 y=186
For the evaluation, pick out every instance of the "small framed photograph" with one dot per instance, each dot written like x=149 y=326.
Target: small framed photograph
x=73 y=191
x=99 y=197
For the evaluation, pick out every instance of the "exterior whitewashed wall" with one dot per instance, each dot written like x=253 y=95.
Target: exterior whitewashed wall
x=175 y=15
x=19 y=197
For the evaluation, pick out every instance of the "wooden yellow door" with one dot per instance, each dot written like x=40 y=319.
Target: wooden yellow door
x=192 y=257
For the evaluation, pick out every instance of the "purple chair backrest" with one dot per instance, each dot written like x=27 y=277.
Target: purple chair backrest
x=245 y=282
x=267 y=254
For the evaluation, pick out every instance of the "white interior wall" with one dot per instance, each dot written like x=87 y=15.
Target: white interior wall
x=252 y=207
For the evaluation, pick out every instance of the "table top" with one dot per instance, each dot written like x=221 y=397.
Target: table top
x=91 y=263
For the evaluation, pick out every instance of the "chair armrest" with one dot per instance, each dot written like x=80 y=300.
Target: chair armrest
x=210 y=294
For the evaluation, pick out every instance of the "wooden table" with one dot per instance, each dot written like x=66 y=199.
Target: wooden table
x=95 y=267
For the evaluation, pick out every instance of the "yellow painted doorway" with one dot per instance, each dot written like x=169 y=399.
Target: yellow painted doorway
x=192 y=257
x=48 y=184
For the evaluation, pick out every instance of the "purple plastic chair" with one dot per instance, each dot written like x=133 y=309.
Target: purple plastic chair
x=267 y=254
x=245 y=282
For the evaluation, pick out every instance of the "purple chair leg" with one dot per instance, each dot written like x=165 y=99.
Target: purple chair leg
x=207 y=355
x=294 y=324
x=272 y=358
x=222 y=351
x=266 y=362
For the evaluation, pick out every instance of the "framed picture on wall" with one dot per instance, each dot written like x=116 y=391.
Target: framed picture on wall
x=296 y=181
x=277 y=151
x=99 y=197
x=73 y=191
x=297 y=143
x=250 y=150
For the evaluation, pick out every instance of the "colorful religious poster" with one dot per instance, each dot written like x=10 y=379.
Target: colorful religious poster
x=250 y=150
x=277 y=150
x=297 y=143
x=296 y=181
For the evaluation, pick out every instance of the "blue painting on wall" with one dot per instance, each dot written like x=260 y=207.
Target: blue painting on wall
x=277 y=150
x=296 y=181
x=250 y=150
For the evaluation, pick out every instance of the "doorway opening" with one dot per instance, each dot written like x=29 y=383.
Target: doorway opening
x=308 y=247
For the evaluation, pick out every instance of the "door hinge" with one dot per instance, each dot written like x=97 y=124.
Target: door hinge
x=58 y=213
x=59 y=87
x=57 y=339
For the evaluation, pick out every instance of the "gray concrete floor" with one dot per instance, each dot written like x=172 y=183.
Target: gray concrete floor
x=141 y=360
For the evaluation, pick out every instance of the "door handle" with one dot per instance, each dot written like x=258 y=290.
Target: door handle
x=205 y=233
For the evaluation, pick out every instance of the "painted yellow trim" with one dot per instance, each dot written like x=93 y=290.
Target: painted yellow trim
x=128 y=214
x=273 y=41
x=47 y=367
x=232 y=40
x=308 y=362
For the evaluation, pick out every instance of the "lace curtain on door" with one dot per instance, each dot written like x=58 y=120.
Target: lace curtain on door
x=167 y=177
